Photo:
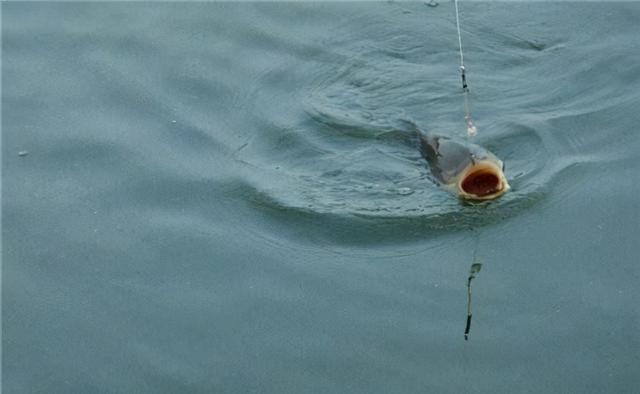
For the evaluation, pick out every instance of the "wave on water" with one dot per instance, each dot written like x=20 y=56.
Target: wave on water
x=335 y=152
x=369 y=169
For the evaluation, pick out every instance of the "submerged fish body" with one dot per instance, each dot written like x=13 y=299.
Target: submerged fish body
x=463 y=168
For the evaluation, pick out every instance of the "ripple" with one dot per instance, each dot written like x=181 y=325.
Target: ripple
x=369 y=177
x=347 y=167
x=380 y=205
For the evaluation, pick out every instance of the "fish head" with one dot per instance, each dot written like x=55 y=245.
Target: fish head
x=483 y=178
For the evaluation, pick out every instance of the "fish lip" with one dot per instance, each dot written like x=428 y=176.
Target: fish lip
x=485 y=166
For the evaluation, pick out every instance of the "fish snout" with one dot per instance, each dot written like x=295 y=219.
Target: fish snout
x=483 y=181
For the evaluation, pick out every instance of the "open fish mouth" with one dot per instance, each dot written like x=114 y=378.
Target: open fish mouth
x=482 y=181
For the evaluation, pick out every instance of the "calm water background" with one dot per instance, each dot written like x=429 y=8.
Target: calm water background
x=216 y=199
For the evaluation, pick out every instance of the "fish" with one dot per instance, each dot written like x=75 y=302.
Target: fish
x=461 y=167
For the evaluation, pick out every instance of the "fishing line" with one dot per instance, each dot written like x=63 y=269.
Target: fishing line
x=473 y=271
x=471 y=128
x=475 y=268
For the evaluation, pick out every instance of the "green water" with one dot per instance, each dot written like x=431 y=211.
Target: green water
x=212 y=197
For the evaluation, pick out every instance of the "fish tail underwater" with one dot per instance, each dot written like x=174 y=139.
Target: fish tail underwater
x=210 y=197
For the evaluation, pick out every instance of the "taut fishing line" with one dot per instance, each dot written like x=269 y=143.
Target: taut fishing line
x=471 y=129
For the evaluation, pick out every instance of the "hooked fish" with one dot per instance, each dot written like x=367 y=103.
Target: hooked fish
x=465 y=169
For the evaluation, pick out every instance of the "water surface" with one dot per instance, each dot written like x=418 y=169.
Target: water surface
x=216 y=197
